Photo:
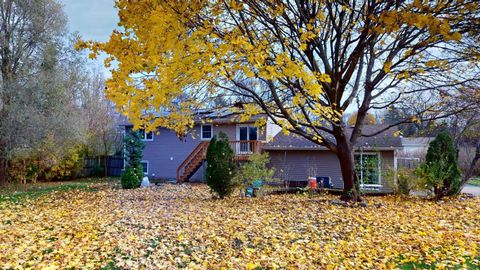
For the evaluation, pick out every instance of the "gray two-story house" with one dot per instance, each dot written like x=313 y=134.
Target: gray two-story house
x=166 y=156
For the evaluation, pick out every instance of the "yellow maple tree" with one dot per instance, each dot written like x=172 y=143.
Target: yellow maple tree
x=368 y=120
x=302 y=63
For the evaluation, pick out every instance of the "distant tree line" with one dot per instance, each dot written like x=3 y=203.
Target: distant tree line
x=52 y=108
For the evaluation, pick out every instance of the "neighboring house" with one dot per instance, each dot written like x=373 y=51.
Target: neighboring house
x=183 y=159
x=413 y=152
x=413 y=146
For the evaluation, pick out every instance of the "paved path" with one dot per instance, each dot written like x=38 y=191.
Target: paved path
x=475 y=190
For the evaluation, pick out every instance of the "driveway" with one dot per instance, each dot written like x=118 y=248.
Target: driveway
x=475 y=190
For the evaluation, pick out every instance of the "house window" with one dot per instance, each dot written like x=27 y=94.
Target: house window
x=367 y=166
x=146 y=136
x=207 y=131
x=145 y=167
x=247 y=133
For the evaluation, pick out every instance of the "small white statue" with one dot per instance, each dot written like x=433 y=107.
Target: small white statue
x=145 y=182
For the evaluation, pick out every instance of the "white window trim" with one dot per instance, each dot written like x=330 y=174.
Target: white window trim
x=248 y=126
x=148 y=166
x=145 y=136
x=201 y=132
x=372 y=186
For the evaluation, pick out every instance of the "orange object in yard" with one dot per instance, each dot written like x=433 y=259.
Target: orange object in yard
x=312 y=183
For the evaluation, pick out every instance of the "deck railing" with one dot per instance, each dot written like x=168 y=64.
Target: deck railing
x=243 y=149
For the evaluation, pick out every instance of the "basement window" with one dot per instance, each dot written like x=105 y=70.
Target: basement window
x=145 y=167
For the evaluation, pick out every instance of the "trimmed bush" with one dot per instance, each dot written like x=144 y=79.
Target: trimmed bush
x=221 y=166
x=133 y=174
x=134 y=149
x=139 y=172
x=440 y=171
x=130 y=179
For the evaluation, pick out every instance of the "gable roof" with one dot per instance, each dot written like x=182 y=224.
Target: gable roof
x=204 y=116
x=383 y=141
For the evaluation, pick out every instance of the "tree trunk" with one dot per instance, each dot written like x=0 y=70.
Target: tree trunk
x=351 y=188
x=105 y=158
x=473 y=164
x=3 y=172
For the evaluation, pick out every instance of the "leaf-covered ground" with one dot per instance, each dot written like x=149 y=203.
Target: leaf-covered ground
x=180 y=226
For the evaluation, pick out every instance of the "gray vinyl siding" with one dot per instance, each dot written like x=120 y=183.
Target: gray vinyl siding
x=294 y=165
x=166 y=152
x=297 y=165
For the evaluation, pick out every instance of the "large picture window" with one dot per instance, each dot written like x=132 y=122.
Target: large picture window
x=367 y=166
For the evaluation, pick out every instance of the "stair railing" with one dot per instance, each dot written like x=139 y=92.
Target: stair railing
x=199 y=150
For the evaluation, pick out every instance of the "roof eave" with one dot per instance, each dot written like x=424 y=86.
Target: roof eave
x=296 y=148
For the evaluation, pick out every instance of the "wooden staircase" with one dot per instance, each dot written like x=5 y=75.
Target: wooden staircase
x=191 y=164
x=243 y=150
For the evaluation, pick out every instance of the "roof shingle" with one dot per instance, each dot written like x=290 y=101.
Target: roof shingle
x=383 y=141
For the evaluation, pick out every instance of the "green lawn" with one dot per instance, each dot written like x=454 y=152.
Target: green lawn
x=475 y=181
x=469 y=264
x=19 y=193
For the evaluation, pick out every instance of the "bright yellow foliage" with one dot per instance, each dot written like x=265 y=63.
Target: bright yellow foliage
x=168 y=54
x=368 y=120
x=179 y=225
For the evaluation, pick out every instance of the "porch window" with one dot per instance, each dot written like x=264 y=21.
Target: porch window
x=246 y=134
x=253 y=133
x=367 y=166
x=207 y=131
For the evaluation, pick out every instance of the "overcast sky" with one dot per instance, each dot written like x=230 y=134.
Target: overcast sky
x=92 y=19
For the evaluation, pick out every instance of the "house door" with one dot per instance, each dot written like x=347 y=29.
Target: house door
x=245 y=135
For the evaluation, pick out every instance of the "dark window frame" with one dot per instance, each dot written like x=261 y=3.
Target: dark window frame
x=145 y=168
x=202 y=133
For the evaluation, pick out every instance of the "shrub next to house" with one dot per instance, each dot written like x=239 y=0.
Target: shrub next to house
x=130 y=179
x=254 y=169
x=133 y=174
x=221 y=166
x=440 y=171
